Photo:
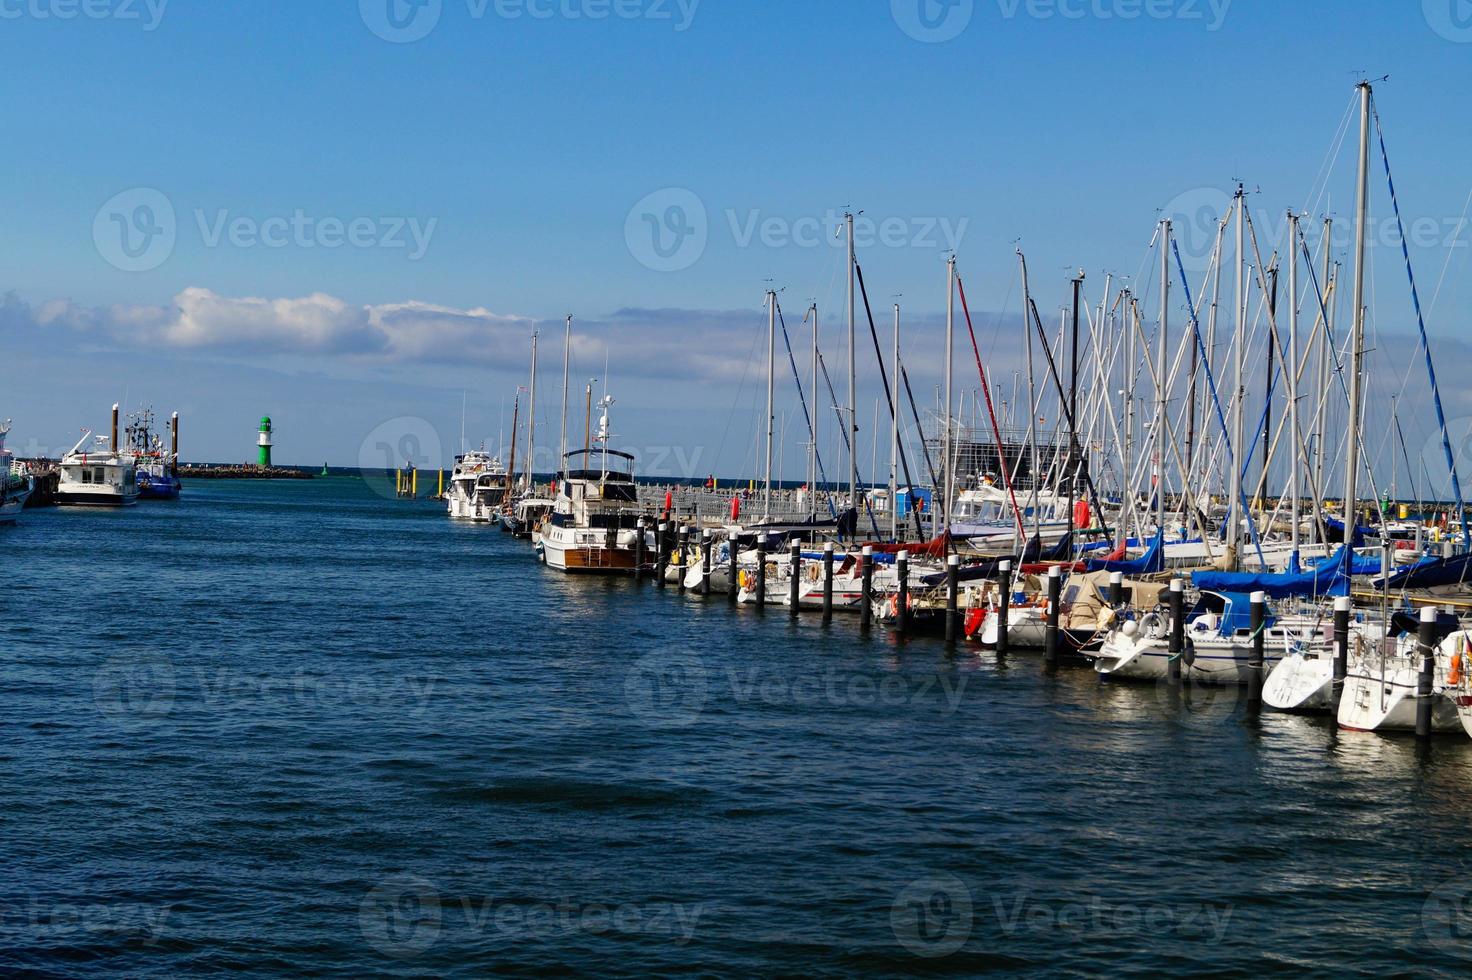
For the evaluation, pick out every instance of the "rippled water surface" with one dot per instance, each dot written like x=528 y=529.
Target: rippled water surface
x=299 y=727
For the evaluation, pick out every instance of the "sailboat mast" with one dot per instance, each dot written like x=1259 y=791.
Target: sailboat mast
x=1290 y=358
x=1234 y=503
x=1160 y=381
x=948 y=448
x=1326 y=348
x=853 y=404
x=894 y=437
x=1127 y=409
x=813 y=453
x=566 y=381
x=1357 y=330
x=771 y=391
x=531 y=422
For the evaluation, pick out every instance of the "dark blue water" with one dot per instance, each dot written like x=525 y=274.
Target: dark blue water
x=298 y=727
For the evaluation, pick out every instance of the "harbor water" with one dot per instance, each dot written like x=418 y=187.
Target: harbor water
x=303 y=727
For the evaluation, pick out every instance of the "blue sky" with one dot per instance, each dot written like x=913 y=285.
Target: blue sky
x=494 y=174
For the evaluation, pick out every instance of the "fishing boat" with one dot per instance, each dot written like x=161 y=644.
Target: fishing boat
x=16 y=483
x=157 y=468
x=479 y=486
x=96 y=475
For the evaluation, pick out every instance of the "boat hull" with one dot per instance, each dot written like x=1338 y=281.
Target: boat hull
x=79 y=499
x=1300 y=684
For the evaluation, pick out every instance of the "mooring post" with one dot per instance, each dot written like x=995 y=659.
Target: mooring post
x=902 y=593
x=828 y=582
x=761 y=571
x=733 y=583
x=1004 y=599
x=953 y=595
x=705 y=545
x=639 y=552
x=795 y=576
x=1116 y=589
x=1259 y=643
x=866 y=588
x=1342 y=606
x=1426 y=651
x=1177 y=647
x=1050 y=630
x=682 y=558
x=661 y=557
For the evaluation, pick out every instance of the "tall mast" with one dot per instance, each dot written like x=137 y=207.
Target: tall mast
x=1357 y=334
x=1127 y=409
x=1160 y=380
x=1290 y=359
x=1326 y=348
x=853 y=404
x=948 y=448
x=566 y=362
x=771 y=391
x=813 y=454
x=894 y=436
x=531 y=422
x=1032 y=394
x=1071 y=466
x=1234 y=505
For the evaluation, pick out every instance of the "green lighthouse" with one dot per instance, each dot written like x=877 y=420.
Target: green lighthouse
x=264 y=442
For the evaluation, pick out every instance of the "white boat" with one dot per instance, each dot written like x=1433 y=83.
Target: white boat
x=97 y=475
x=478 y=487
x=1454 y=657
x=1380 y=690
x=593 y=526
x=16 y=482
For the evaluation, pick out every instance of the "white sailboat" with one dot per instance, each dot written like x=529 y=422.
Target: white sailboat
x=16 y=483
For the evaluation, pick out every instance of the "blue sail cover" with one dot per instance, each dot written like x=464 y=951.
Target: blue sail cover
x=1328 y=577
x=1432 y=573
x=1152 y=561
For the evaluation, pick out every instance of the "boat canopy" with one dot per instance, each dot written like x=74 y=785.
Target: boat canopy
x=1328 y=577
x=1152 y=561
